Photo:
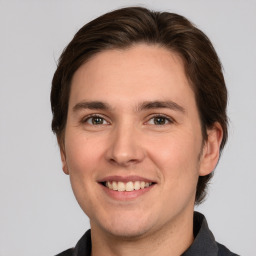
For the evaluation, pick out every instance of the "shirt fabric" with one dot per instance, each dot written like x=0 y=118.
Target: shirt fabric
x=204 y=243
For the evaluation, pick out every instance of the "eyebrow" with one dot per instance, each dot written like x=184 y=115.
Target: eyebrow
x=161 y=104
x=91 y=105
x=98 y=105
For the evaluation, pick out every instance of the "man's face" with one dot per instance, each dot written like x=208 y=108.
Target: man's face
x=133 y=123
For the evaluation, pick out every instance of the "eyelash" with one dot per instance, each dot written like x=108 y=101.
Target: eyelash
x=161 y=116
x=166 y=118
x=87 y=118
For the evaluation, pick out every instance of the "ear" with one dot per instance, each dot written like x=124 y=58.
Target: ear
x=63 y=159
x=211 y=150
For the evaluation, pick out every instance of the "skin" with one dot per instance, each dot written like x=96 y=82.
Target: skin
x=127 y=139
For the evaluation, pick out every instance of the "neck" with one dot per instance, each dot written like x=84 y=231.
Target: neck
x=171 y=239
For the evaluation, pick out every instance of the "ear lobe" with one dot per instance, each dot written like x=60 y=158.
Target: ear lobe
x=64 y=162
x=211 y=150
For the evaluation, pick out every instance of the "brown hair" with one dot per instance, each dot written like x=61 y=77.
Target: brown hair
x=125 y=27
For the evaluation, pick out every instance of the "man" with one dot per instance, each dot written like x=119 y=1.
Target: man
x=139 y=110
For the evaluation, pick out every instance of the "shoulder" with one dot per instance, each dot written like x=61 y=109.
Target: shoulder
x=68 y=252
x=205 y=243
x=224 y=251
x=82 y=248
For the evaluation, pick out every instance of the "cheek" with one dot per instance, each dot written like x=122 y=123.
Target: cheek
x=82 y=158
x=177 y=165
x=177 y=155
x=80 y=150
x=82 y=155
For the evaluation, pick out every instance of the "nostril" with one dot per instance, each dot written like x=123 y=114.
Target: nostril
x=123 y=161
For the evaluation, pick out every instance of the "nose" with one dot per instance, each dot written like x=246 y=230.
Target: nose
x=125 y=146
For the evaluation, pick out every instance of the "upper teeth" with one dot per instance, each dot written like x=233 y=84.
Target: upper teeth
x=129 y=186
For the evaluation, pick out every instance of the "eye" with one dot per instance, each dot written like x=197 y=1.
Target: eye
x=160 y=120
x=95 y=120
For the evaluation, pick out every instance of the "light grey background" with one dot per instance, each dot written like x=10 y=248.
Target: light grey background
x=38 y=214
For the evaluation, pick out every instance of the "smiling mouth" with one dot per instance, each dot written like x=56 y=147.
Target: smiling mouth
x=126 y=186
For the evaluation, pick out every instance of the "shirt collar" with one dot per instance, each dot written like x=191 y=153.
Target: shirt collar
x=204 y=242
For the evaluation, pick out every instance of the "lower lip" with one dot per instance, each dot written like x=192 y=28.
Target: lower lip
x=126 y=195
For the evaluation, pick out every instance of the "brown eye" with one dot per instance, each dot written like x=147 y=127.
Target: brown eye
x=160 y=120
x=96 y=120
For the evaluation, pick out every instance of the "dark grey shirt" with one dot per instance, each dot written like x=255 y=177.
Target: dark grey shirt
x=204 y=243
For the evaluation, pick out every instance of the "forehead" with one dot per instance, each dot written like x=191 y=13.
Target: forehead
x=139 y=73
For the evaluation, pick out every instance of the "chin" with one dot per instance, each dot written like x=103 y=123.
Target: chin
x=128 y=233
x=125 y=228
